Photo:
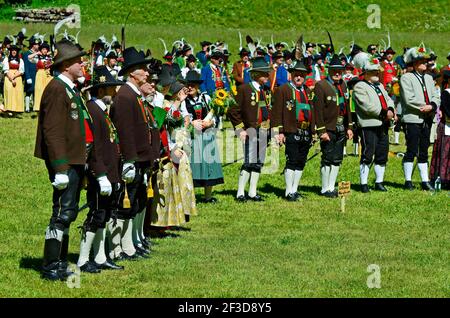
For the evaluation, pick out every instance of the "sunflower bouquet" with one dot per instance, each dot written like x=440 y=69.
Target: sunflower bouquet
x=220 y=102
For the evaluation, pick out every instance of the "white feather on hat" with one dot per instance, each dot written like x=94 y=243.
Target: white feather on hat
x=360 y=59
x=366 y=62
x=416 y=53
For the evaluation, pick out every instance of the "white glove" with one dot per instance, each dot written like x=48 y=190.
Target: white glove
x=29 y=81
x=129 y=176
x=61 y=181
x=105 y=185
x=145 y=182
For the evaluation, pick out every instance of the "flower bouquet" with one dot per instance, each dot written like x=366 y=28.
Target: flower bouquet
x=174 y=118
x=220 y=103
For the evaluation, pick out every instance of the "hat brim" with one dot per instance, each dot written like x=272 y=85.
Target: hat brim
x=66 y=58
x=105 y=84
x=127 y=67
x=336 y=67
x=293 y=69
x=191 y=81
x=261 y=70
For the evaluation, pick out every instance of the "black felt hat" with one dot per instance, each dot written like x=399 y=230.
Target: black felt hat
x=335 y=63
x=133 y=58
x=192 y=77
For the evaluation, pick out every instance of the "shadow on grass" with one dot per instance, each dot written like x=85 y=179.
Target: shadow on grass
x=280 y=192
x=226 y=192
x=162 y=233
x=35 y=263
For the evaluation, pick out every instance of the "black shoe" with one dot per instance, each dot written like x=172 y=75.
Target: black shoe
x=409 y=185
x=426 y=186
x=51 y=272
x=125 y=257
x=146 y=243
x=109 y=264
x=331 y=194
x=241 y=198
x=141 y=254
x=90 y=267
x=291 y=197
x=64 y=271
x=142 y=250
x=256 y=198
x=210 y=200
x=365 y=188
x=380 y=187
x=298 y=195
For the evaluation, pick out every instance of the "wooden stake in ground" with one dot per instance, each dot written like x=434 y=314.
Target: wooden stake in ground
x=344 y=191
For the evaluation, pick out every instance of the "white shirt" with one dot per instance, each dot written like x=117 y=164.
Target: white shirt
x=185 y=70
x=158 y=100
x=99 y=61
x=134 y=88
x=66 y=80
x=100 y=104
x=256 y=85
x=6 y=66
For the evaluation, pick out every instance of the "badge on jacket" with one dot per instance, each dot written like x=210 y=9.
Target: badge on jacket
x=74 y=114
x=289 y=105
x=253 y=98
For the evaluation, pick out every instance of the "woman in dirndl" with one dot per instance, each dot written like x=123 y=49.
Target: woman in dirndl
x=175 y=199
x=205 y=157
x=14 y=68
x=42 y=59
x=440 y=163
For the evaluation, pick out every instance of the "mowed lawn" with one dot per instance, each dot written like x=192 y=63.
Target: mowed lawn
x=270 y=249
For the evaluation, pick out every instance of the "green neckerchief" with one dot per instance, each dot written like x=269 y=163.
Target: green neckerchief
x=78 y=108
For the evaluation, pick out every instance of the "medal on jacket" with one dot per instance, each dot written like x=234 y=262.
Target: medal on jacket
x=253 y=98
x=74 y=111
x=289 y=105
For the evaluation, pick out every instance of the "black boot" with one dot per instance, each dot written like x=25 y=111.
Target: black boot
x=409 y=185
x=51 y=263
x=364 y=188
x=426 y=186
x=380 y=187
x=64 y=264
x=291 y=197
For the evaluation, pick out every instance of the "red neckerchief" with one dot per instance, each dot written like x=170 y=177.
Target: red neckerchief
x=380 y=96
x=421 y=79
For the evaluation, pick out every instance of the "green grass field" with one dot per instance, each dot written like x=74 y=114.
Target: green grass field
x=270 y=249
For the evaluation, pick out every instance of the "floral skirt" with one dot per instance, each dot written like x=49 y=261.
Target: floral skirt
x=186 y=186
x=440 y=164
x=169 y=208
